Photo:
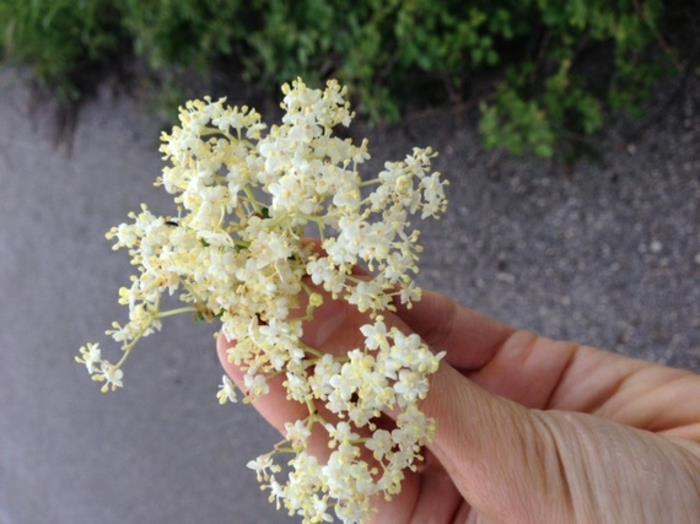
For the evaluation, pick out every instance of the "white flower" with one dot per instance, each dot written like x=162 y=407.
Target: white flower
x=347 y=197
x=411 y=385
x=375 y=335
x=413 y=427
x=261 y=465
x=368 y=296
x=227 y=391
x=380 y=443
x=320 y=510
x=256 y=385
x=298 y=387
x=341 y=433
x=410 y=293
x=323 y=272
x=344 y=385
x=326 y=367
x=433 y=195
x=246 y=196
x=111 y=375
x=90 y=355
x=297 y=433
x=277 y=492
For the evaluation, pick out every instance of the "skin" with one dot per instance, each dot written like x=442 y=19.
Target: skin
x=529 y=429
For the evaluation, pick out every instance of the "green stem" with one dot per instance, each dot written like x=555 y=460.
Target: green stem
x=370 y=182
x=312 y=409
x=127 y=351
x=130 y=346
x=208 y=131
x=285 y=451
x=251 y=198
x=178 y=311
x=357 y=280
x=124 y=357
x=321 y=236
x=309 y=349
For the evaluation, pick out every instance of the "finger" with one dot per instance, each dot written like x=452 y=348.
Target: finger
x=470 y=338
x=337 y=331
x=438 y=500
x=278 y=410
x=468 y=418
x=513 y=364
x=547 y=374
x=473 y=426
x=274 y=406
x=515 y=464
x=542 y=373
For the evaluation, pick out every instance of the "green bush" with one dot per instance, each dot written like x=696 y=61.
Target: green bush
x=549 y=70
x=65 y=41
x=177 y=34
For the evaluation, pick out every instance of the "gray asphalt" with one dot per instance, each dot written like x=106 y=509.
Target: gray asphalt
x=608 y=254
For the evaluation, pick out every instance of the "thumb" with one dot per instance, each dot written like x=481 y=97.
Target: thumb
x=492 y=448
x=515 y=464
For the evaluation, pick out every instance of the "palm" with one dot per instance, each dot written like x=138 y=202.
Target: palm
x=532 y=371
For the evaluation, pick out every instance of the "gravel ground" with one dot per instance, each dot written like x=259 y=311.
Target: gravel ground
x=608 y=254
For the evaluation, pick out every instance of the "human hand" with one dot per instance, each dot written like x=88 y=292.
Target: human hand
x=528 y=429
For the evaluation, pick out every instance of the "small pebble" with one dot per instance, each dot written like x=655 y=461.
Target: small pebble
x=505 y=277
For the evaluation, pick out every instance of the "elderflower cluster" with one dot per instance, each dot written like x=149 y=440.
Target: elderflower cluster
x=246 y=196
